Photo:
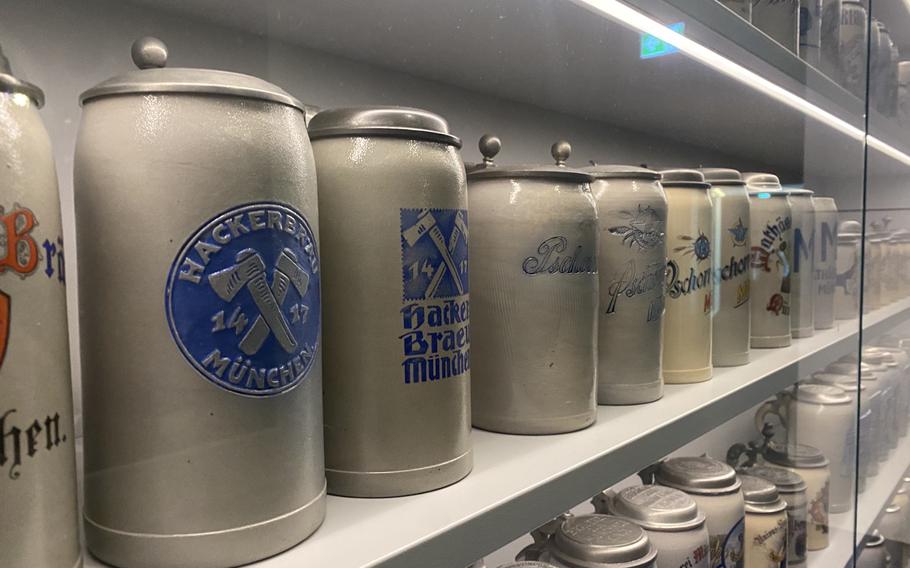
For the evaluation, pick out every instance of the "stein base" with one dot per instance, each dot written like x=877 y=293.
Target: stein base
x=216 y=549
x=399 y=483
x=623 y=394
x=731 y=359
x=771 y=342
x=847 y=317
x=803 y=332
x=816 y=546
x=824 y=325
x=688 y=376
x=559 y=425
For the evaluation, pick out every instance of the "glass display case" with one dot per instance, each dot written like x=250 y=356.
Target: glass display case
x=686 y=225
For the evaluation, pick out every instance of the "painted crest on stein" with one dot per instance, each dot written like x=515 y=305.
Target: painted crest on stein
x=243 y=299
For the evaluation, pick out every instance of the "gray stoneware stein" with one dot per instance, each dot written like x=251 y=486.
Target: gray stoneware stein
x=200 y=313
x=825 y=261
x=394 y=203
x=802 y=281
x=772 y=242
x=39 y=526
x=732 y=251
x=716 y=490
x=600 y=541
x=632 y=260
x=673 y=522
x=690 y=277
x=533 y=254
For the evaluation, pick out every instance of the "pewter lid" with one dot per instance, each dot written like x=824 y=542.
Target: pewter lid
x=841 y=381
x=527 y=564
x=762 y=181
x=848 y=368
x=785 y=480
x=722 y=176
x=697 y=475
x=682 y=177
x=893 y=508
x=620 y=171
x=389 y=121
x=795 y=455
x=658 y=508
x=850 y=231
x=800 y=191
x=601 y=540
x=822 y=394
x=761 y=496
x=10 y=84
x=875 y=540
x=490 y=145
x=150 y=56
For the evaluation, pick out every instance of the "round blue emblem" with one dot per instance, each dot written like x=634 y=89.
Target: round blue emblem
x=243 y=299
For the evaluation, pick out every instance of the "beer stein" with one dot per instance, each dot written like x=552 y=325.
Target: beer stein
x=600 y=541
x=39 y=519
x=779 y=19
x=201 y=347
x=731 y=254
x=771 y=228
x=690 y=278
x=802 y=281
x=714 y=487
x=890 y=525
x=398 y=308
x=846 y=287
x=631 y=261
x=825 y=261
x=765 y=541
x=792 y=490
x=869 y=427
x=812 y=467
x=821 y=416
x=533 y=243
x=852 y=45
x=675 y=526
x=810 y=31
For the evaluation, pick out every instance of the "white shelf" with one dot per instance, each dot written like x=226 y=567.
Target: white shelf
x=519 y=482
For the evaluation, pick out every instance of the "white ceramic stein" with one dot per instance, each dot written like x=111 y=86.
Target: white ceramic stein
x=846 y=287
x=804 y=252
x=765 y=540
x=631 y=262
x=732 y=250
x=690 y=275
x=812 y=466
x=792 y=489
x=825 y=261
x=771 y=228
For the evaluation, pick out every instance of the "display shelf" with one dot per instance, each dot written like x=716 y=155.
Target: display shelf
x=519 y=482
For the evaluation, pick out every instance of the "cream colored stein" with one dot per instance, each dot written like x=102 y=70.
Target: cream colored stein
x=825 y=261
x=812 y=466
x=690 y=274
x=846 y=287
x=765 y=540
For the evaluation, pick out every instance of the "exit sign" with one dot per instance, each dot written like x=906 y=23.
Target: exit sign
x=652 y=47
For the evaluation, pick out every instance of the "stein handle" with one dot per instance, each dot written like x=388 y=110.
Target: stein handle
x=777 y=407
x=602 y=500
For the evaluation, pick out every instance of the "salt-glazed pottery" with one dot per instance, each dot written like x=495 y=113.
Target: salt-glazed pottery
x=771 y=228
x=821 y=416
x=846 y=286
x=200 y=316
x=792 y=490
x=812 y=467
x=690 y=277
x=600 y=541
x=802 y=280
x=825 y=261
x=765 y=542
x=715 y=488
x=39 y=523
x=631 y=261
x=392 y=190
x=533 y=252
x=675 y=526
x=732 y=246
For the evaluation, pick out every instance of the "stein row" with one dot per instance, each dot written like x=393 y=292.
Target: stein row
x=889 y=544
x=219 y=284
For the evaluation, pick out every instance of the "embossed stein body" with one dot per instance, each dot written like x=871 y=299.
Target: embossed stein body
x=690 y=278
x=533 y=252
x=393 y=204
x=731 y=252
x=200 y=317
x=631 y=261
x=39 y=525
x=772 y=261
x=825 y=261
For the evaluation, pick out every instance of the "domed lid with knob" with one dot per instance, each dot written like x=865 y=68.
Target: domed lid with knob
x=849 y=231
x=761 y=496
x=821 y=394
x=785 y=480
x=586 y=541
x=620 y=171
x=763 y=185
x=682 y=177
x=799 y=191
x=150 y=56
x=491 y=145
x=383 y=121
x=795 y=455
x=10 y=84
x=722 y=176
x=697 y=475
x=654 y=507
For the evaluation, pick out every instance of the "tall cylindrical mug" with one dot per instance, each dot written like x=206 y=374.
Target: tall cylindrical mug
x=825 y=261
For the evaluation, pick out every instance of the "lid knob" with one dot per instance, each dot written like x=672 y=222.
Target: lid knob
x=4 y=64
x=149 y=53
x=561 y=152
x=489 y=146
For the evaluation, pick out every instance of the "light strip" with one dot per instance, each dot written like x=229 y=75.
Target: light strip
x=619 y=11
